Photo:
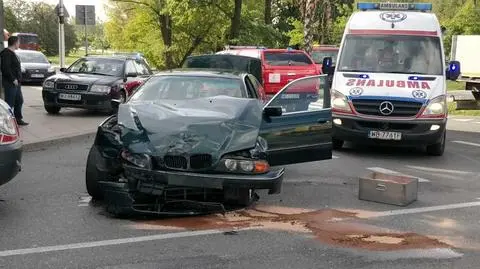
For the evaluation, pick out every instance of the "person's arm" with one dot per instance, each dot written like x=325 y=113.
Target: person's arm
x=7 y=67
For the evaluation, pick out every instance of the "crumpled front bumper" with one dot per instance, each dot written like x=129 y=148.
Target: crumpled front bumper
x=271 y=180
x=121 y=195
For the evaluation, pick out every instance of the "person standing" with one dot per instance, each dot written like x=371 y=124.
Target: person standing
x=11 y=75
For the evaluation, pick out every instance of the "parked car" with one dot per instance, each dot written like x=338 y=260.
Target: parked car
x=93 y=82
x=10 y=145
x=205 y=138
x=319 y=52
x=35 y=66
x=279 y=66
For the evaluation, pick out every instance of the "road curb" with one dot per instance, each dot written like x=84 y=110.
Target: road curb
x=41 y=145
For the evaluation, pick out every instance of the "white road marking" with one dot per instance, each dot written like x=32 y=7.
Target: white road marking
x=113 y=242
x=477 y=122
x=463 y=120
x=419 y=210
x=335 y=157
x=466 y=143
x=429 y=169
x=388 y=171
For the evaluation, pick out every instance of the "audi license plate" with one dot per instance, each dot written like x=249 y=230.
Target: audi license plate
x=385 y=135
x=37 y=75
x=68 y=96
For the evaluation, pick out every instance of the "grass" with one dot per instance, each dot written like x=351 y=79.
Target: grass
x=452 y=111
x=72 y=57
x=455 y=86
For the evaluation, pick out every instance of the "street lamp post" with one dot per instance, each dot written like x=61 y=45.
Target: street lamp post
x=61 y=33
x=2 y=26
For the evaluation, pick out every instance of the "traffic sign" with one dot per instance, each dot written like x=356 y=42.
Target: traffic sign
x=85 y=15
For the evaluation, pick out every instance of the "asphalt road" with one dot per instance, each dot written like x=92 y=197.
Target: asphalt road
x=48 y=221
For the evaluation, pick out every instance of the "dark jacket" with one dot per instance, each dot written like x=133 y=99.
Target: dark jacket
x=10 y=66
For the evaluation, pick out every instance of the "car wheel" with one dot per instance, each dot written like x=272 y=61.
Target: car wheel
x=91 y=175
x=337 y=144
x=439 y=148
x=52 y=109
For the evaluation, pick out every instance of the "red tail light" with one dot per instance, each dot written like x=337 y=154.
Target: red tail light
x=9 y=132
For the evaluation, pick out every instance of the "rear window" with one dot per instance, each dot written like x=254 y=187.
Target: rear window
x=286 y=58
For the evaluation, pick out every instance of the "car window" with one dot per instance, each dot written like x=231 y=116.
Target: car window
x=287 y=58
x=141 y=68
x=101 y=66
x=302 y=95
x=318 y=55
x=32 y=57
x=130 y=67
x=255 y=84
x=188 y=87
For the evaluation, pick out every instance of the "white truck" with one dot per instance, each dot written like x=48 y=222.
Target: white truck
x=465 y=50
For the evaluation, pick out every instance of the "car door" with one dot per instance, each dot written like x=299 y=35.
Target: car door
x=300 y=134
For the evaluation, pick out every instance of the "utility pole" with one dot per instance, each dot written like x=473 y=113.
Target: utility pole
x=61 y=33
x=2 y=26
x=86 y=37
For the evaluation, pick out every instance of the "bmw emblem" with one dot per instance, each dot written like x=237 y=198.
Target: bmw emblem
x=419 y=94
x=356 y=91
x=393 y=16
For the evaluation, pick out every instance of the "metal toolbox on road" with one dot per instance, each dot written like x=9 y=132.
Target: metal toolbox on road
x=388 y=189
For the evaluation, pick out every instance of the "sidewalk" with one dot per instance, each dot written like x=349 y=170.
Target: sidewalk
x=47 y=129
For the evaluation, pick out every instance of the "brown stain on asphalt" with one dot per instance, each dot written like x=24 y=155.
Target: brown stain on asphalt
x=329 y=226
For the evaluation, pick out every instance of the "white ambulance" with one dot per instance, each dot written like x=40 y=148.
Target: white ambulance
x=389 y=83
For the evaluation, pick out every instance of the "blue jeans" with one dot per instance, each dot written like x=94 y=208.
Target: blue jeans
x=14 y=98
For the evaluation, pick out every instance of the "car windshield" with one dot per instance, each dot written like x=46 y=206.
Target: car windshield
x=32 y=57
x=188 y=87
x=27 y=39
x=318 y=56
x=392 y=54
x=101 y=66
x=286 y=58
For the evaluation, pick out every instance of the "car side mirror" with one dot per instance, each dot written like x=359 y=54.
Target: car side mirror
x=63 y=69
x=327 y=66
x=453 y=71
x=273 y=111
x=131 y=75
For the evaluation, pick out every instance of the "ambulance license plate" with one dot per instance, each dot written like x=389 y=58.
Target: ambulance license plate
x=385 y=135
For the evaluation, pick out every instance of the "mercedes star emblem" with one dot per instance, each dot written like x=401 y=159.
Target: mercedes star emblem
x=386 y=108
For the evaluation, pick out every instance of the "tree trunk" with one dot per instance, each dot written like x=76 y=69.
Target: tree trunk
x=236 y=19
x=308 y=23
x=165 y=22
x=268 y=12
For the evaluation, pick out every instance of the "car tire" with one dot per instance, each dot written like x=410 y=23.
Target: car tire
x=439 y=148
x=52 y=109
x=91 y=175
x=337 y=144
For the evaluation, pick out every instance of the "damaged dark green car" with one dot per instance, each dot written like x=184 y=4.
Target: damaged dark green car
x=194 y=141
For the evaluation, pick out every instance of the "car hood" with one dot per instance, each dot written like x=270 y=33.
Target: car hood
x=422 y=87
x=84 y=78
x=215 y=126
x=36 y=65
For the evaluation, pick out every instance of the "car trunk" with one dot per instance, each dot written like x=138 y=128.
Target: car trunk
x=280 y=68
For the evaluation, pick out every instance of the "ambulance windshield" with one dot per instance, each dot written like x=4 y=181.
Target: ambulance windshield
x=392 y=54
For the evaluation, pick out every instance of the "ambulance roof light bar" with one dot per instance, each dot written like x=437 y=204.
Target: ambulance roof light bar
x=423 y=7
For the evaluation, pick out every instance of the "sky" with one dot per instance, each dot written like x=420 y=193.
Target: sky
x=70 y=6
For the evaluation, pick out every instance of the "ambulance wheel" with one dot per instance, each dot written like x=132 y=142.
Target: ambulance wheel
x=439 y=148
x=337 y=144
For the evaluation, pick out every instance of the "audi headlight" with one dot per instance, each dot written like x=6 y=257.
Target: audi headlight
x=437 y=107
x=244 y=166
x=140 y=160
x=340 y=102
x=49 y=84
x=100 y=89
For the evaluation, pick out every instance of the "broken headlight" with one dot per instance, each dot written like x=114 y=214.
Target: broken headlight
x=244 y=166
x=140 y=160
